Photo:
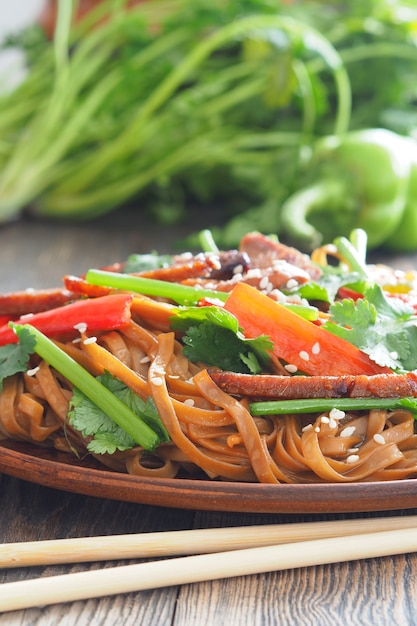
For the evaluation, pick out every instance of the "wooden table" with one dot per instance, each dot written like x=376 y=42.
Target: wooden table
x=374 y=591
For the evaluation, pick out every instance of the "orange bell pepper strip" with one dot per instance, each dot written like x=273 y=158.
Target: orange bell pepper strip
x=310 y=348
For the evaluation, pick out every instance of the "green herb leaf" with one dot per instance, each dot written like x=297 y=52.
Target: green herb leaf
x=14 y=357
x=107 y=436
x=385 y=328
x=212 y=335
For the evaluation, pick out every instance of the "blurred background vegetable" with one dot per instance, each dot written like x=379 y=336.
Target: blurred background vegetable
x=180 y=105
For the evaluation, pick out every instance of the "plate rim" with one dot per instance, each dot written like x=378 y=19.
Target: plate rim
x=18 y=460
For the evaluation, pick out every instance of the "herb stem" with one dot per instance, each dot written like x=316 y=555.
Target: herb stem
x=119 y=412
x=317 y=405
x=182 y=294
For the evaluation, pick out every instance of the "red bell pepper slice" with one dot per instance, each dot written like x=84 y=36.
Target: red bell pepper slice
x=312 y=349
x=105 y=313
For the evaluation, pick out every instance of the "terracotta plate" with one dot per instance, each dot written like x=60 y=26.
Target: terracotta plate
x=48 y=468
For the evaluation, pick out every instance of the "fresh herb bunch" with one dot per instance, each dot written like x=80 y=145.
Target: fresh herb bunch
x=176 y=102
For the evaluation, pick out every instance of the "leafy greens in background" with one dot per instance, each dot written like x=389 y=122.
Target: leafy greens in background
x=134 y=112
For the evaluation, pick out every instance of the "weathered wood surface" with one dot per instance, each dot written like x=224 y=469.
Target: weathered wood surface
x=374 y=591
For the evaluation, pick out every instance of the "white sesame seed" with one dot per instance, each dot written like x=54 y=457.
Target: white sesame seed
x=353 y=450
x=337 y=414
x=27 y=316
x=306 y=428
x=157 y=381
x=264 y=282
x=348 y=431
x=33 y=371
x=352 y=458
x=291 y=283
x=393 y=355
x=89 y=340
x=81 y=327
x=278 y=295
x=316 y=348
x=254 y=273
x=76 y=340
x=332 y=423
x=378 y=438
x=145 y=359
x=324 y=419
x=317 y=429
x=189 y=402
x=291 y=368
x=238 y=269
x=304 y=355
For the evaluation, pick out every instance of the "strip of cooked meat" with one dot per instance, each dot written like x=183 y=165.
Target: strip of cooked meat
x=298 y=387
x=264 y=252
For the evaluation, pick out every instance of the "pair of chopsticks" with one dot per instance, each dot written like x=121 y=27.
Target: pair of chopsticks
x=217 y=553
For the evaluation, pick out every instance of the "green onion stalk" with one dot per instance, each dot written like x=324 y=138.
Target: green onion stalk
x=104 y=115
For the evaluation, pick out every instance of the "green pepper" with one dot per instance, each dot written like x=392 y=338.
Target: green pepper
x=404 y=238
x=358 y=180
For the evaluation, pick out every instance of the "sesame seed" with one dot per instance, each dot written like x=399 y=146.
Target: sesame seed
x=317 y=429
x=304 y=355
x=26 y=316
x=254 y=273
x=157 y=381
x=348 y=431
x=238 y=269
x=306 y=428
x=393 y=354
x=316 y=348
x=353 y=450
x=145 y=359
x=278 y=295
x=89 y=340
x=264 y=282
x=33 y=371
x=332 y=423
x=81 y=327
x=76 y=340
x=352 y=458
x=291 y=368
x=337 y=414
x=378 y=438
x=291 y=283
x=189 y=402
x=324 y=419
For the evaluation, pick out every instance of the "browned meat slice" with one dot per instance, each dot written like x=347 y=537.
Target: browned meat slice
x=222 y=266
x=17 y=303
x=298 y=387
x=264 y=252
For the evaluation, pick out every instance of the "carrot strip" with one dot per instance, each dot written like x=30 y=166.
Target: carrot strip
x=311 y=348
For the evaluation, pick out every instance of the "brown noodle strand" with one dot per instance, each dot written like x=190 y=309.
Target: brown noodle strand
x=165 y=407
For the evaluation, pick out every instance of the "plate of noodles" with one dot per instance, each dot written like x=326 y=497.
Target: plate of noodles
x=261 y=379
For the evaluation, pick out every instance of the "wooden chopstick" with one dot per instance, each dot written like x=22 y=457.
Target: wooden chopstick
x=191 y=569
x=186 y=542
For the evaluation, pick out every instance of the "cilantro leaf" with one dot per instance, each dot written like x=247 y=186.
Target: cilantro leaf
x=14 y=357
x=106 y=435
x=212 y=335
x=326 y=287
x=385 y=328
x=145 y=409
